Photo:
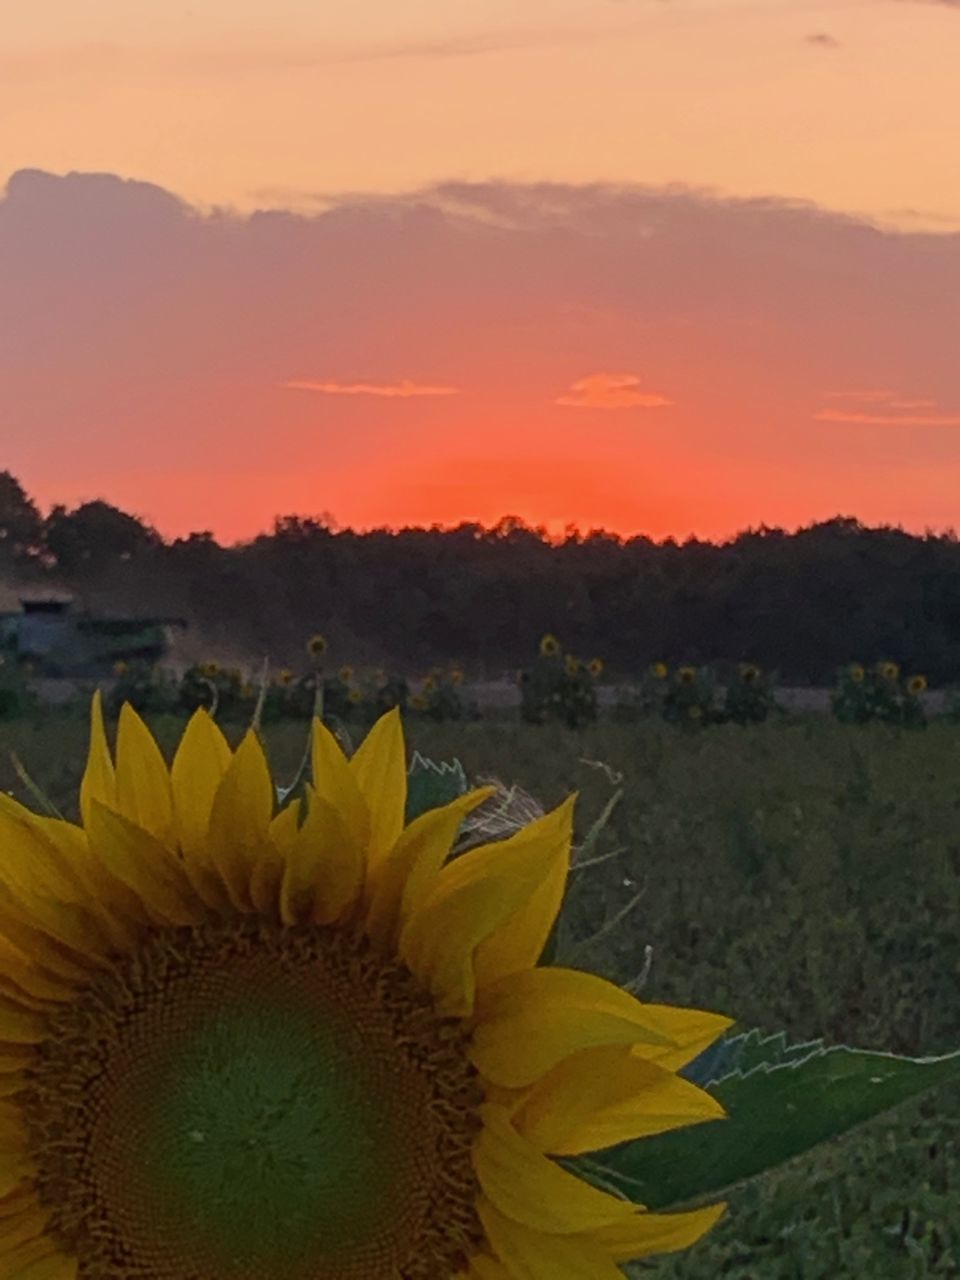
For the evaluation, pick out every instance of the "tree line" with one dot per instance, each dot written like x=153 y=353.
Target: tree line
x=801 y=603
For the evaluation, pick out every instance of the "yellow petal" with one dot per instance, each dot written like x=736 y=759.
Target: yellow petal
x=14 y=1169
x=19 y=926
x=379 y=766
x=657 y=1232
x=240 y=819
x=530 y=1188
x=407 y=875
x=199 y=763
x=99 y=779
x=336 y=784
x=143 y=783
x=268 y=872
x=324 y=869
x=532 y=1020
x=70 y=932
x=285 y=827
x=50 y=857
x=519 y=945
x=145 y=866
x=483 y=1267
x=528 y=1254
x=22 y=1227
x=36 y=1260
x=604 y=1095
x=690 y=1030
x=478 y=897
x=56 y=1266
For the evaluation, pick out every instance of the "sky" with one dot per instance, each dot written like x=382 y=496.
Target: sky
x=662 y=266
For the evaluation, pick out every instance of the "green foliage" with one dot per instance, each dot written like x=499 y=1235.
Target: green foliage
x=558 y=687
x=148 y=689
x=878 y=693
x=781 y=1101
x=430 y=785
x=17 y=696
x=749 y=695
x=690 y=699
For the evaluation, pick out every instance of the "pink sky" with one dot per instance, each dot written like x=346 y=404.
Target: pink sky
x=656 y=266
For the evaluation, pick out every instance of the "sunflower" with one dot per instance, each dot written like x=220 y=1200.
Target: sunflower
x=456 y=676
x=120 y=668
x=418 y=702
x=285 y=676
x=659 y=671
x=687 y=675
x=355 y=696
x=316 y=646
x=916 y=685
x=748 y=672
x=345 y=674
x=209 y=670
x=888 y=670
x=595 y=667
x=857 y=673
x=549 y=646
x=242 y=1043
x=571 y=664
x=429 y=684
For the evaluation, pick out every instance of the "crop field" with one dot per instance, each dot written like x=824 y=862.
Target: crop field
x=803 y=875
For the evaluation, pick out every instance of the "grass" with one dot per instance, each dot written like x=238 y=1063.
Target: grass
x=803 y=876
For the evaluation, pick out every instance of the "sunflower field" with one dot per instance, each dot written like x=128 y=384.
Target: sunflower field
x=800 y=880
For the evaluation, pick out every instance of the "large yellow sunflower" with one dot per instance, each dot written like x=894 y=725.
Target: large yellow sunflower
x=243 y=1044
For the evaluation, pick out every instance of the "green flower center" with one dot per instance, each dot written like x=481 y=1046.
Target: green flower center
x=246 y=1102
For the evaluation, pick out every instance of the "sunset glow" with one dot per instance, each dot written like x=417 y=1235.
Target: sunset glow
x=665 y=268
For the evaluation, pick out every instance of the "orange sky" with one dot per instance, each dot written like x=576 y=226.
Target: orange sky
x=636 y=355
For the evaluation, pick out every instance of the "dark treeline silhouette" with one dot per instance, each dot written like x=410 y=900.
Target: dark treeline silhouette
x=802 y=603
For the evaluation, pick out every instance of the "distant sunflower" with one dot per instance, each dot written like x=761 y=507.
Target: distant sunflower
x=355 y=696
x=120 y=668
x=418 y=702
x=687 y=675
x=571 y=664
x=595 y=667
x=659 y=671
x=888 y=670
x=285 y=676
x=209 y=670
x=241 y=1043
x=695 y=712
x=316 y=646
x=345 y=674
x=748 y=672
x=429 y=684
x=916 y=685
x=857 y=673
x=456 y=676
x=549 y=646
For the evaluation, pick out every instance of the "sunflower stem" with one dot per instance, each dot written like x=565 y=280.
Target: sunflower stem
x=43 y=800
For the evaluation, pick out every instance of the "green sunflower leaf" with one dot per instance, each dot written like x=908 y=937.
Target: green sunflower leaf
x=781 y=1101
x=430 y=785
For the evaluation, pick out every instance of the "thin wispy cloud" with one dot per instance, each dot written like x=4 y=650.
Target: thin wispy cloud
x=611 y=391
x=388 y=390
x=822 y=40
x=886 y=409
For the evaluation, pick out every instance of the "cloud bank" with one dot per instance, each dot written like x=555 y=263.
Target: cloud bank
x=145 y=348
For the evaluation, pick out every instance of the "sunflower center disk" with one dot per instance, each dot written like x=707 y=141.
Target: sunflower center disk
x=247 y=1102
